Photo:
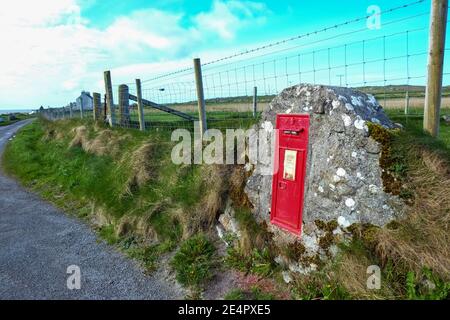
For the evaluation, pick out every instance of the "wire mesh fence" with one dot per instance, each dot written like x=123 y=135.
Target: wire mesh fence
x=388 y=60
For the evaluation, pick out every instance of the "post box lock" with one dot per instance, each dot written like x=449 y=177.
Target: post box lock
x=289 y=179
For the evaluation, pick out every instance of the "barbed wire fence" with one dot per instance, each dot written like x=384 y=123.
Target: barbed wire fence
x=388 y=61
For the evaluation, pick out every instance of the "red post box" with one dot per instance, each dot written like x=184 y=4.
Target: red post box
x=288 y=187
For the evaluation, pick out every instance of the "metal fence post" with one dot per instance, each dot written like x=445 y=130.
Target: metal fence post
x=255 y=101
x=124 y=105
x=200 y=96
x=140 y=105
x=109 y=98
x=407 y=103
x=96 y=105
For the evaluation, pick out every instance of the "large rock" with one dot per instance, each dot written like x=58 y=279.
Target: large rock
x=343 y=181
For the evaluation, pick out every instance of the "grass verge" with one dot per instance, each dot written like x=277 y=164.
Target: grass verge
x=123 y=182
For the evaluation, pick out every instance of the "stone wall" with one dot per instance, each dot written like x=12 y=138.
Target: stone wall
x=343 y=181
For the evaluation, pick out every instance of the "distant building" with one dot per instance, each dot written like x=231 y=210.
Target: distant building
x=85 y=100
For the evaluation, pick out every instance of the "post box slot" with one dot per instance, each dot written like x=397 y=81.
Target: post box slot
x=294 y=132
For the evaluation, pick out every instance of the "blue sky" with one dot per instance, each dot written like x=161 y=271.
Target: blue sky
x=60 y=47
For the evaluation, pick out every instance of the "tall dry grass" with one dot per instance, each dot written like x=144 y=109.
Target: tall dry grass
x=422 y=238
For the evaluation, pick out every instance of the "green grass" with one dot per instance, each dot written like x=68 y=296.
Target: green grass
x=81 y=183
x=108 y=234
x=99 y=179
x=414 y=128
x=259 y=262
x=436 y=289
x=194 y=261
x=215 y=119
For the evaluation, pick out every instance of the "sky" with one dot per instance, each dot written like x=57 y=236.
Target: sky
x=54 y=49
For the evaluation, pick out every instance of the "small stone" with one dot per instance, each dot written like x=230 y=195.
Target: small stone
x=295 y=267
x=428 y=284
x=219 y=232
x=279 y=260
x=320 y=188
x=286 y=277
x=354 y=154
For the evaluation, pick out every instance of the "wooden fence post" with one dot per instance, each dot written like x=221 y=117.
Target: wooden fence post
x=200 y=96
x=70 y=110
x=96 y=105
x=124 y=105
x=81 y=107
x=255 y=101
x=433 y=96
x=109 y=98
x=105 y=108
x=140 y=105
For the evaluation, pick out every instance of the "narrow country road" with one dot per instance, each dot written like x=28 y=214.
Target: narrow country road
x=39 y=242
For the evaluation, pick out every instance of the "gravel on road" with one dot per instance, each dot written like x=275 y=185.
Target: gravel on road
x=38 y=243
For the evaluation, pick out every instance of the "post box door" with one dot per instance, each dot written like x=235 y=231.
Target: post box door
x=289 y=174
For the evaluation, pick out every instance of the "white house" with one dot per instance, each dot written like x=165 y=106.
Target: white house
x=85 y=100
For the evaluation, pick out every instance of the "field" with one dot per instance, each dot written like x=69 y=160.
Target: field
x=19 y=116
x=238 y=111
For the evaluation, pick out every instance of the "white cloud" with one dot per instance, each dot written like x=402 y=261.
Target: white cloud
x=226 y=18
x=50 y=53
x=37 y=13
